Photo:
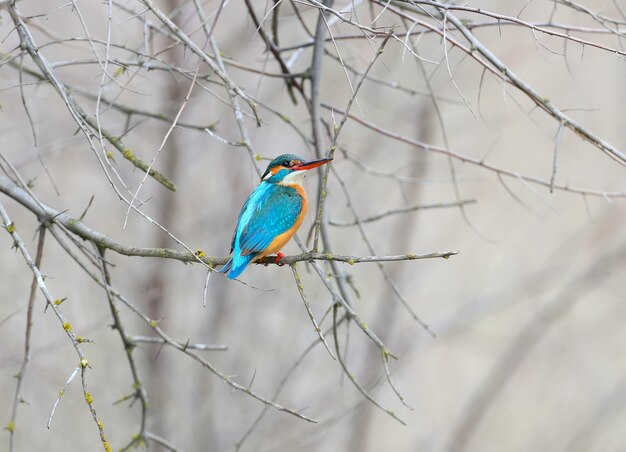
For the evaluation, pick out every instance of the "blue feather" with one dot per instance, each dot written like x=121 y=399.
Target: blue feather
x=270 y=210
x=233 y=269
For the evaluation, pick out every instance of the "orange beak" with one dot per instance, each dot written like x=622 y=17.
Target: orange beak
x=310 y=165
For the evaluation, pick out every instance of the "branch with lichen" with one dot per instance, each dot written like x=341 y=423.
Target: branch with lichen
x=164 y=339
x=139 y=391
x=76 y=112
x=54 y=304
x=47 y=214
x=17 y=399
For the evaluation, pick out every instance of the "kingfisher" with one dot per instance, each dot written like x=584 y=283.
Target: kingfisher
x=272 y=214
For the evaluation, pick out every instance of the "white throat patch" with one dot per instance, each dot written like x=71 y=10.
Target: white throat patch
x=295 y=177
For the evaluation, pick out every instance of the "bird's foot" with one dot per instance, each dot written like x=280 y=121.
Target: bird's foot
x=279 y=256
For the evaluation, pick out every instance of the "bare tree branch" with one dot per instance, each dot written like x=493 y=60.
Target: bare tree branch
x=47 y=214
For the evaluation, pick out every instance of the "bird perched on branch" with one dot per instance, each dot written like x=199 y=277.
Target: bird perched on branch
x=272 y=214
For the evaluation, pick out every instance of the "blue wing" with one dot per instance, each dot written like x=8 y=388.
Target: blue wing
x=269 y=211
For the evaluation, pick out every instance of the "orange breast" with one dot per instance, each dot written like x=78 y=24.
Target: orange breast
x=282 y=239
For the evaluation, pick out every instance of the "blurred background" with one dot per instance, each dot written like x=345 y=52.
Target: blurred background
x=528 y=317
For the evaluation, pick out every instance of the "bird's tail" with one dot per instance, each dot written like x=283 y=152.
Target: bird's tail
x=236 y=265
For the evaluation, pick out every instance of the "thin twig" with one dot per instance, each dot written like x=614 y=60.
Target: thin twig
x=336 y=131
x=351 y=377
x=17 y=399
x=139 y=391
x=167 y=134
x=61 y=394
x=318 y=330
x=477 y=162
x=554 y=160
x=160 y=341
x=391 y=212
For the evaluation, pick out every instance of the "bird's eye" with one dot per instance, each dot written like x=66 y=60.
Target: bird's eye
x=289 y=163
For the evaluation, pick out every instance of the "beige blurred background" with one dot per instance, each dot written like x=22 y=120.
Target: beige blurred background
x=529 y=316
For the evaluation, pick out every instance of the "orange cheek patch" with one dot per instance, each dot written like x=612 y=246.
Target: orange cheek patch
x=276 y=169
